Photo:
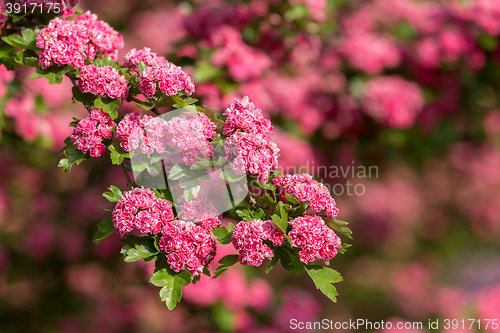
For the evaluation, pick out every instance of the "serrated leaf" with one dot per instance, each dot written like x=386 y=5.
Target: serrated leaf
x=229 y=175
x=145 y=105
x=344 y=247
x=224 y=236
x=245 y=214
x=72 y=156
x=108 y=105
x=323 y=278
x=54 y=74
x=104 y=229
x=137 y=248
x=27 y=58
x=115 y=195
x=282 y=224
x=339 y=226
x=172 y=284
x=86 y=99
x=142 y=66
x=226 y=262
x=117 y=153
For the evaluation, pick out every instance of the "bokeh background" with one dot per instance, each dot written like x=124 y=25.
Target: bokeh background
x=409 y=87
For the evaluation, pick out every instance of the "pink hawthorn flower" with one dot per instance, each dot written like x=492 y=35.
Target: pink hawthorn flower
x=91 y=131
x=250 y=139
x=314 y=238
x=140 y=209
x=67 y=42
x=134 y=57
x=138 y=130
x=393 y=100
x=248 y=237
x=304 y=188
x=486 y=14
x=188 y=246
x=103 y=81
x=168 y=78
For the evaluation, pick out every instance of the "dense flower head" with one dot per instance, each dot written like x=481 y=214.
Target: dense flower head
x=304 y=188
x=138 y=130
x=383 y=53
x=169 y=78
x=103 y=81
x=188 y=246
x=107 y=40
x=314 y=238
x=248 y=237
x=91 y=131
x=67 y=42
x=140 y=209
x=134 y=57
x=243 y=115
x=254 y=154
x=190 y=132
x=393 y=100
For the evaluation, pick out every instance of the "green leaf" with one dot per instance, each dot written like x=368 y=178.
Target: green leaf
x=229 y=175
x=86 y=99
x=260 y=214
x=205 y=164
x=137 y=248
x=172 y=284
x=104 y=229
x=27 y=40
x=274 y=261
x=344 y=247
x=291 y=261
x=323 y=278
x=117 y=153
x=224 y=236
x=339 y=226
x=281 y=223
x=291 y=199
x=245 y=215
x=54 y=74
x=108 y=105
x=27 y=58
x=226 y=262
x=72 y=156
x=142 y=66
x=115 y=195
x=267 y=186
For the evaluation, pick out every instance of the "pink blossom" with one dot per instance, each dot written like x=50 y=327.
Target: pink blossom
x=314 y=238
x=140 y=209
x=248 y=237
x=91 y=131
x=393 y=100
x=486 y=14
x=188 y=246
x=165 y=78
x=134 y=57
x=303 y=188
x=103 y=81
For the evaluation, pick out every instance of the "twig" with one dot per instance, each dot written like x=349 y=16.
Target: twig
x=129 y=181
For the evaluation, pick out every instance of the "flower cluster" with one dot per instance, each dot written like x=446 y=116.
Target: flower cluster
x=393 y=100
x=250 y=138
x=188 y=246
x=304 y=188
x=107 y=41
x=103 y=80
x=137 y=130
x=169 y=78
x=314 y=238
x=243 y=115
x=134 y=57
x=197 y=209
x=142 y=210
x=66 y=42
x=190 y=132
x=248 y=237
x=91 y=131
